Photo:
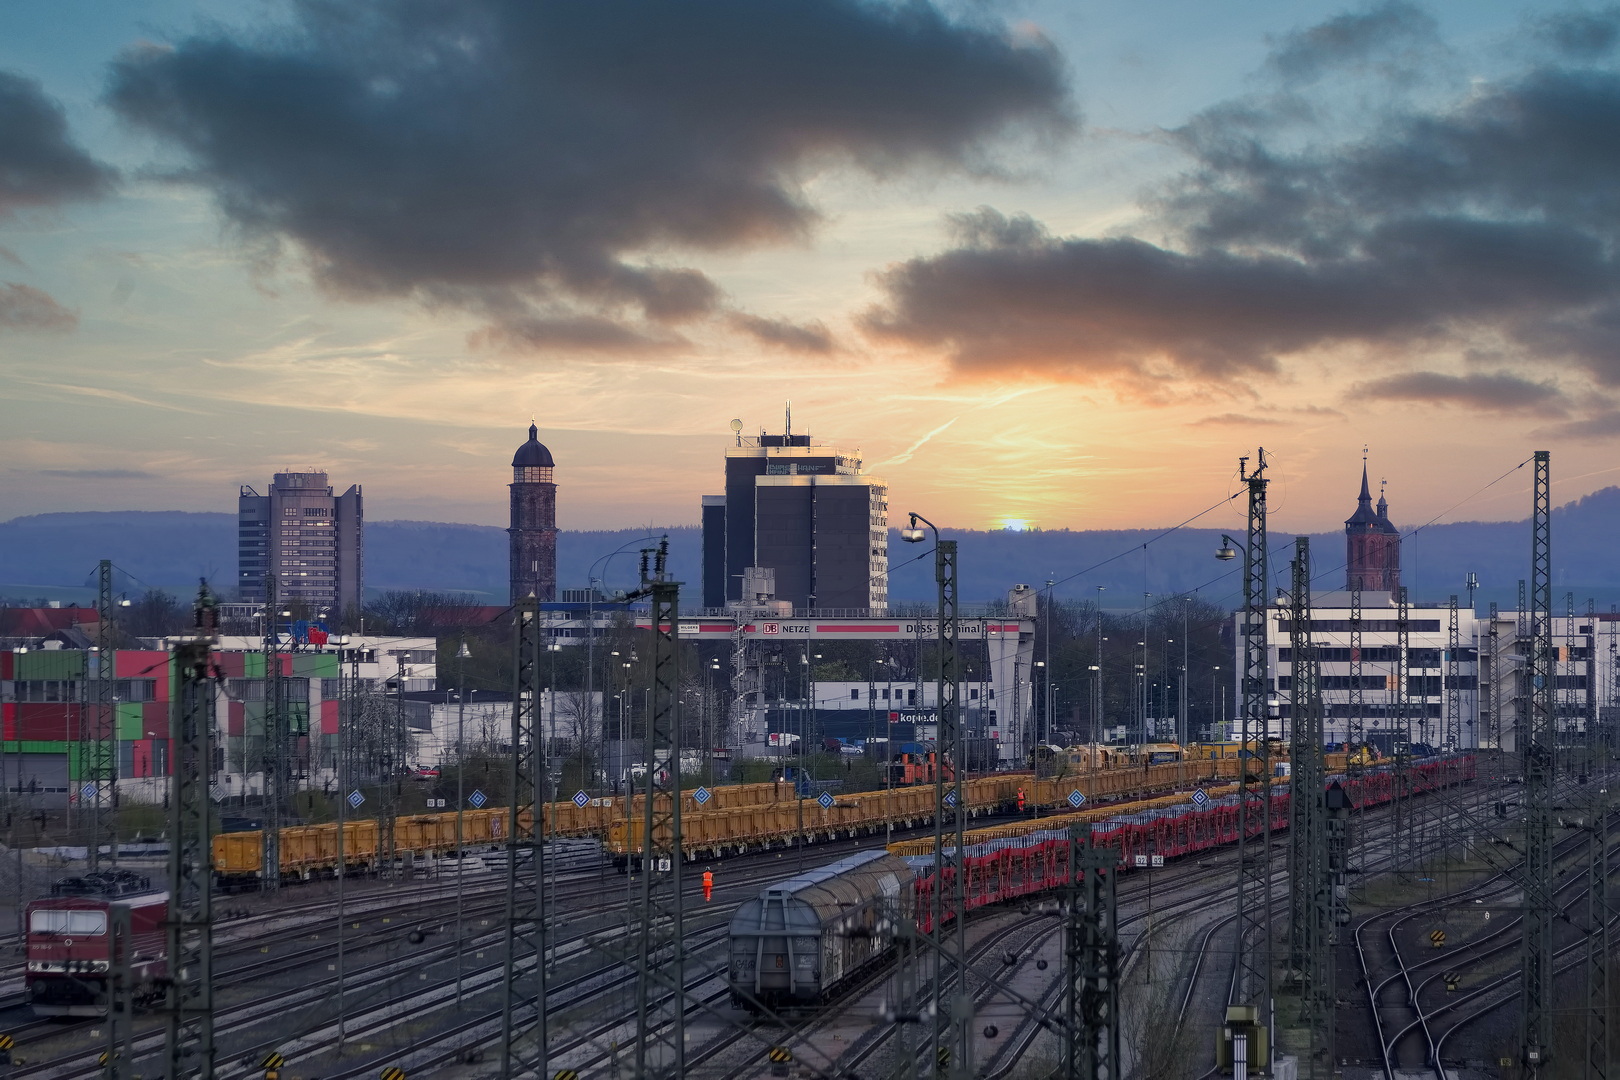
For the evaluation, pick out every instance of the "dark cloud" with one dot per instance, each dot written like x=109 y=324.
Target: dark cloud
x=587 y=333
x=98 y=474
x=1010 y=295
x=1490 y=220
x=1602 y=424
x=1583 y=35
x=504 y=153
x=1237 y=420
x=799 y=337
x=1393 y=37
x=39 y=163
x=1497 y=392
x=25 y=308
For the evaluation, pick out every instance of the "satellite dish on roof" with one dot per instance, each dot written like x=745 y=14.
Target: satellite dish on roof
x=736 y=425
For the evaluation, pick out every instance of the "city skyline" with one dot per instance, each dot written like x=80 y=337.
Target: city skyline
x=1078 y=284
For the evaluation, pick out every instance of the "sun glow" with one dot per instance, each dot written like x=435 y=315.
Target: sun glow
x=1017 y=524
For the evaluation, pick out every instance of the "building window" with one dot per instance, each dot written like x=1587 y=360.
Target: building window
x=48 y=690
x=855 y=695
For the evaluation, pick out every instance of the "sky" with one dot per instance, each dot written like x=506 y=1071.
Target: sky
x=1056 y=264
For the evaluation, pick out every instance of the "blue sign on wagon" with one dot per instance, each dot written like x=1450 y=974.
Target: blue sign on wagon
x=1199 y=797
x=355 y=798
x=950 y=798
x=700 y=796
x=1077 y=798
x=826 y=800
x=478 y=799
x=580 y=799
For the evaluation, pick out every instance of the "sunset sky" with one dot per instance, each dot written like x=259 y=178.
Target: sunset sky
x=1048 y=262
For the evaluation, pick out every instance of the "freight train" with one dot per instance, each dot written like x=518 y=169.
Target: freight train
x=69 y=942
x=715 y=833
x=311 y=851
x=803 y=940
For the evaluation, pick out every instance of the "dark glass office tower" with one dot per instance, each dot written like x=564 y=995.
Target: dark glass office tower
x=806 y=511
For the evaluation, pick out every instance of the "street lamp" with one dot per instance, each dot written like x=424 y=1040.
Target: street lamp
x=945 y=579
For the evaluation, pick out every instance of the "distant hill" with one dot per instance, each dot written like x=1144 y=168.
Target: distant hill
x=55 y=555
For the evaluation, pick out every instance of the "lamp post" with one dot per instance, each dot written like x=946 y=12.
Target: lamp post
x=1097 y=711
x=590 y=639
x=948 y=722
x=708 y=725
x=1038 y=667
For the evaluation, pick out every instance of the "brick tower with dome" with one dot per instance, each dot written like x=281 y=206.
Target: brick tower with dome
x=532 y=538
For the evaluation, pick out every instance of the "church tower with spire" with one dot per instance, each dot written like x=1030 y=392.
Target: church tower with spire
x=1372 y=544
x=532 y=539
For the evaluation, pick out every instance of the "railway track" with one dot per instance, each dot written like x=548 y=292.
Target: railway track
x=382 y=1002
x=1214 y=940
x=1414 y=1008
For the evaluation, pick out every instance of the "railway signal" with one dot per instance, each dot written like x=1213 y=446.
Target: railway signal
x=1452 y=979
x=272 y=1060
x=566 y=1074
x=1438 y=937
x=393 y=1072
x=779 y=1055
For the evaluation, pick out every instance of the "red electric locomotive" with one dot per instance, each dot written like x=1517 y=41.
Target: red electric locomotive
x=70 y=942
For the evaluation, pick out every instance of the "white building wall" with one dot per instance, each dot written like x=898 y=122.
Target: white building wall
x=1488 y=672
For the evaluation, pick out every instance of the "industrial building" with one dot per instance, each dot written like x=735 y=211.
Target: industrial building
x=1435 y=675
x=312 y=540
x=47 y=698
x=805 y=512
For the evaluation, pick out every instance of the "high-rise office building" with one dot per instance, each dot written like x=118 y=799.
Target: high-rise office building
x=309 y=538
x=807 y=512
x=532 y=539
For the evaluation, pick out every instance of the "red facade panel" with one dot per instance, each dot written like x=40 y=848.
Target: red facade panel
x=329 y=717
x=141 y=664
x=155 y=719
x=47 y=721
x=8 y=722
x=235 y=718
x=8 y=665
x=232 y=665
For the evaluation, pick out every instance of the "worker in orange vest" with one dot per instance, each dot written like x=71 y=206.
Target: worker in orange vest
x=1020 y=799
x=708 y=884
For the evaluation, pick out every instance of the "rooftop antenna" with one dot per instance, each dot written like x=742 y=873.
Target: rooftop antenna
x=789 y=420
x=736 y=429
